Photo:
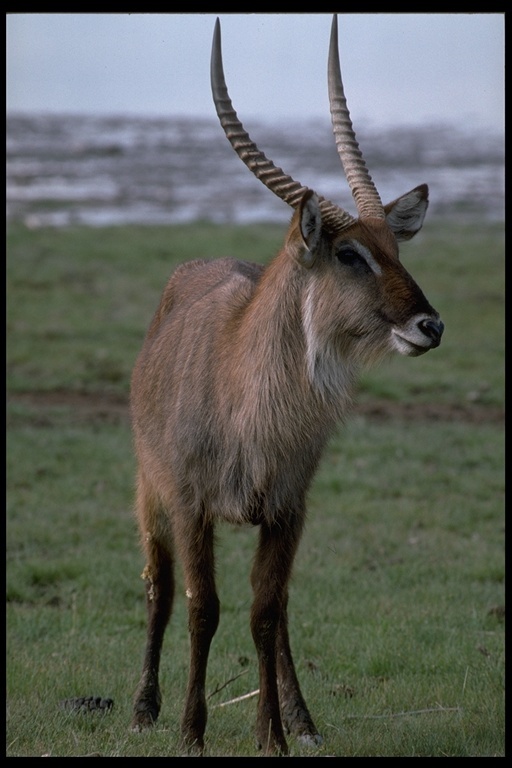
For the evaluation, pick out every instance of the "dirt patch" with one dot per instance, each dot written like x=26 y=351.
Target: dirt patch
x=110 y=408
x=471 y=413
x=81 y=407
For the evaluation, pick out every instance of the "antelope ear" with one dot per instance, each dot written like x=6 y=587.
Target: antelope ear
x=310 y=220
x=406 y=214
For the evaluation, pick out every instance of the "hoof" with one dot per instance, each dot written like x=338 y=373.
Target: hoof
x=310 y=740
x=143 y=719
x=273 y=747
x=192 y=747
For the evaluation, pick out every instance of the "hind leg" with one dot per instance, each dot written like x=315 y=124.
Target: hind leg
x=159 y=577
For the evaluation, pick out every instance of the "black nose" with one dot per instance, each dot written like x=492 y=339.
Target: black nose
x=432 y=328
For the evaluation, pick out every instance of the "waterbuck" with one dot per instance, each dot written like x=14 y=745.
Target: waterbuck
x=243 y=375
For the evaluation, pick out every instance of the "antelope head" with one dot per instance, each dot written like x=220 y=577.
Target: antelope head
x=372 y=302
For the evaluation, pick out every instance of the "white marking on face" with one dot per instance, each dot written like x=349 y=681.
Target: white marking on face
x=367 y=256
x=327 y=372
x=309 y=331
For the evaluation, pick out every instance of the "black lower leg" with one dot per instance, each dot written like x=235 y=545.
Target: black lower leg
x=294 y=712
x=196 y=541
x=159 y=598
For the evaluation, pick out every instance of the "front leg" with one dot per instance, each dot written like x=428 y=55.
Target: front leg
x=269 y=577
x=294 y=712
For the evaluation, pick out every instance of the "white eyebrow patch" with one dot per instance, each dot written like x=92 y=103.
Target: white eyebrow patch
x=365 y=252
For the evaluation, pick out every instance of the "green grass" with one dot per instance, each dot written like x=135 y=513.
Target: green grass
x=396 y=613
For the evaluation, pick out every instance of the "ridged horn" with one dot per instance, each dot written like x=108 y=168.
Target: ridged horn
x=359 y=180
x=274 y=178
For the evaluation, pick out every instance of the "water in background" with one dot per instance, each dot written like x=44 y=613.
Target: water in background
x=97 y=171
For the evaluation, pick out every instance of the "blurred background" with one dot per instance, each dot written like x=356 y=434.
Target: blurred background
x=110 y=118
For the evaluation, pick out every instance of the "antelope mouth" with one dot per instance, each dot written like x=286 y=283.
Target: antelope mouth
x=421 y=333
x=410 y=348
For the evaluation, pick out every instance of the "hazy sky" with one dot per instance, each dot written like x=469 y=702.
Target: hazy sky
x=404 y=68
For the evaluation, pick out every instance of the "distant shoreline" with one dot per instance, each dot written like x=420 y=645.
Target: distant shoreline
x=115 y=170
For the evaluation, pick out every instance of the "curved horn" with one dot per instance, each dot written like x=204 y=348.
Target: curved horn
x=360 y=182
x=274 y=178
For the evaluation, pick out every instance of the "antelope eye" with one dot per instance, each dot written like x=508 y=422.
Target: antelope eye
x=351 y=258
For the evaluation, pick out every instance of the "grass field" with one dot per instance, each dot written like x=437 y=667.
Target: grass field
x=397 y=602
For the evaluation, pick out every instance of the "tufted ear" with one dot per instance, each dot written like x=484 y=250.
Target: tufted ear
x=310 y=219
x=406 y=214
